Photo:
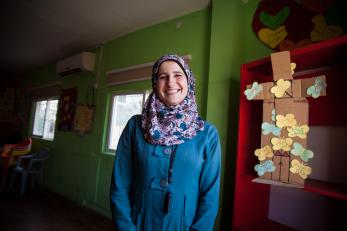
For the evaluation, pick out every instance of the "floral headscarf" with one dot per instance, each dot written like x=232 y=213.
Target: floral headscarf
x=170 y=125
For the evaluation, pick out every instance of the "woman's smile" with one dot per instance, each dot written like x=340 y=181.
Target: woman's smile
x=172 y=85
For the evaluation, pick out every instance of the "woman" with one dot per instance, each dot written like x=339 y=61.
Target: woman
x=167 y=165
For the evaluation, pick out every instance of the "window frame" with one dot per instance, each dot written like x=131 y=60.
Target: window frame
x=33 y=113
x=145 y=93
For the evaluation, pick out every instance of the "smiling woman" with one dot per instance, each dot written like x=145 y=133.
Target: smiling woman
x=167 y=166
x=172 y=83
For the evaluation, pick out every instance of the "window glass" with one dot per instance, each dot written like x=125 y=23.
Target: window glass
x=124 y=106
x=44 y=118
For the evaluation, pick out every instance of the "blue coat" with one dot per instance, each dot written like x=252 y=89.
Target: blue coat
x=139 y=182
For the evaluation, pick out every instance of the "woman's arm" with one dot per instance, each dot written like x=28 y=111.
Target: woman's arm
x=209 y=184
x=121 y=182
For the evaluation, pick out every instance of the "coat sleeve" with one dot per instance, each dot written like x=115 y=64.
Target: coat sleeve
x=209 y=185
x=121 y=181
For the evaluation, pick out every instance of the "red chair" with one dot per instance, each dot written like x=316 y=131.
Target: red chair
x=10 y=153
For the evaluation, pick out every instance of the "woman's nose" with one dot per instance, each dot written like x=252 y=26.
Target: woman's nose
x=171 y=81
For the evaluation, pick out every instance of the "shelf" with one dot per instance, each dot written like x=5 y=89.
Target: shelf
x=265 y=225
x=333 y=190
x=255 y=201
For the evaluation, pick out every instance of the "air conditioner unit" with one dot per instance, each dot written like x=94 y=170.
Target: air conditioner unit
x=81 y=62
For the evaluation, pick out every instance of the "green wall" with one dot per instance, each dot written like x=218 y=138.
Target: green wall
x=232 y=43
x=218 y=38
x=79 y=168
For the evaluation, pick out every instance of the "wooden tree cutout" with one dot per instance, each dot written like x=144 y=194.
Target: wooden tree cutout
x=283 y=155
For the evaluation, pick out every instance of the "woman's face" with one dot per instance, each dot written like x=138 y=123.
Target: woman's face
x=172 y=85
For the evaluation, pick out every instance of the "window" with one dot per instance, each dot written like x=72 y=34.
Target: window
x=123 y=106
x=45 y=112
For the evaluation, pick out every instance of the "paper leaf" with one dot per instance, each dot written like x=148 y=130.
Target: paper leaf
x=270 y=128
x=292 y=67
x=285 y=121
x=299 y=150
x=253 y=91
x=280 y=88
x=263 y=153
x=266 y=166
x=299 y=131
x=281 y=143
x=315 y=90
x=300 y=168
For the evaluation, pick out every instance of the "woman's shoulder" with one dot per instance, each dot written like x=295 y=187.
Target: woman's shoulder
x=210 y=128
x=134 y=121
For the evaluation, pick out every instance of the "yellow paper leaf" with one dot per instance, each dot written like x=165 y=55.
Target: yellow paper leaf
x=299 y=131
x=280 y=88
x=263 y=153
x=292 y=67
x=300 y=168
x=285 y=121
x=281 y=143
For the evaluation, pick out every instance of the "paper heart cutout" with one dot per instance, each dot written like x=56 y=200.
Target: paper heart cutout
x=322 y=31
x=317 y=6
x=287 y=45
x=272 y=37
x=274 y=21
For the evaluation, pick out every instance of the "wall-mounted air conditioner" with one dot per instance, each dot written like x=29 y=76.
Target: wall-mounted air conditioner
x=81 y=62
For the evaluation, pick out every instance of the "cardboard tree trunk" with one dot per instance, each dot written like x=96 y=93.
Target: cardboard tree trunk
x=283 y=155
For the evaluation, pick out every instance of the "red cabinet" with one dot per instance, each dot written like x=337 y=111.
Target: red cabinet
x=322 y=204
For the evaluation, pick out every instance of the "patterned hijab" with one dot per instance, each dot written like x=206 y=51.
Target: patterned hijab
x=170 y=125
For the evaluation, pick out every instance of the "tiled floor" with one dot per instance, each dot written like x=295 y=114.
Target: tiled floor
x=42 y=211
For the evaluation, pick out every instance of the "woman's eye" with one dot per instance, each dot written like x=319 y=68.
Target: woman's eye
x=162 y=77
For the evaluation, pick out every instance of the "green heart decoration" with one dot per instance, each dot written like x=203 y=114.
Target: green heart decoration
x=274 y=21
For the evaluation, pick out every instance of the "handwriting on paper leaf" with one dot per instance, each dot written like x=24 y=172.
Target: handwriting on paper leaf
x=299 y=150
x=299 y=131
x=281 y=143
x=272 y=37
x=316 y=89
x=253 y=91
x=263 y=153
x=285 y=121
x=300 y=168
x=266 y=166
x=270 y=128
x=280 y=88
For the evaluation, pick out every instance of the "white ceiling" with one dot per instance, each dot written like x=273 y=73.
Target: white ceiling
x=38 y=32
